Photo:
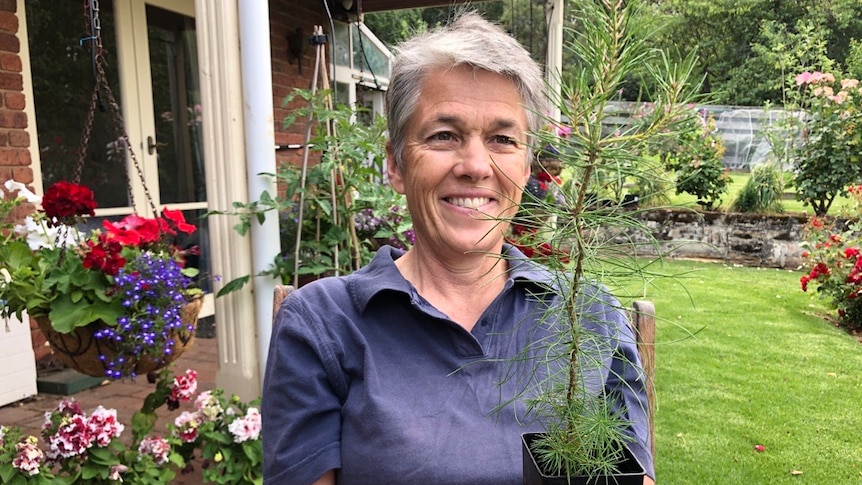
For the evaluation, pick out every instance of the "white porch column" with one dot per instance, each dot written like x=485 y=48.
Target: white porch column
x=256 y=65
x=554 y=61
x=227 y=162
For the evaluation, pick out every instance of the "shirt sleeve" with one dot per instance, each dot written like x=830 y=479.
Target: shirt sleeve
x=300 y=404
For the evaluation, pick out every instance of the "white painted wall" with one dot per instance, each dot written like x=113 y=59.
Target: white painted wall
x=17 y=361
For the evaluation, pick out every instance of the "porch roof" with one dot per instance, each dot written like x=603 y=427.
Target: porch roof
x=381 y=5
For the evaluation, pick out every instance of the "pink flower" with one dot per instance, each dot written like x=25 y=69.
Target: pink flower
x=247 y=427
x=69 y=407
x=803 y=78
x=72 y=437
x=157 y=447
x=103 y=426
x=187 y=426
x=759 y=448
x=29 y=457
x=185 y=386
x=564 y=131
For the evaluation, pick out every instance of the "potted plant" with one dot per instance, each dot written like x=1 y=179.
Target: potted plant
x=116 y=301
x=585 y=439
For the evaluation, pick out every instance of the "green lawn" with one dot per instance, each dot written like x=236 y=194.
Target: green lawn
x=761 y=368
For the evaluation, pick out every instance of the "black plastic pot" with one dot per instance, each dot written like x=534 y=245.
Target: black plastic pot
x=631 y=472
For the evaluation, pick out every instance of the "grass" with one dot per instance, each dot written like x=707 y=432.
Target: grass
x=745 y=358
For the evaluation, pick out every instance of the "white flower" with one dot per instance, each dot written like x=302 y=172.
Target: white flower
x=39 y=235
x=32 y=198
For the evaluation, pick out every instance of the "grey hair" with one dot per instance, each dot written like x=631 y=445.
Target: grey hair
x=468 y=40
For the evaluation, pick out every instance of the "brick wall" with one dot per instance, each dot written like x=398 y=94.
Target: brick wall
x=289 y=74
x=14 y=139
x=15 y=161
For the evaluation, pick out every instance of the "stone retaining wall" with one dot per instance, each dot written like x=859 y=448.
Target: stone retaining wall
x=750 y=239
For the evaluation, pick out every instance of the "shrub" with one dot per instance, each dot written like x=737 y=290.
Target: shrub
x=694 y=153
x=762 y=192
x=834 y=263
x=653 y=183
x=828 y=158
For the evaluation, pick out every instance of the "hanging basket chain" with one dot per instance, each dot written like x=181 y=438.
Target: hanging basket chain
x=120 y=133
x=91 y=14
x=92 y=24
x=85 y=136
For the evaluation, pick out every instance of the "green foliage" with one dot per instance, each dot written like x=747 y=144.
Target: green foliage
x=694 y=152
x=325 y=211
x=653 y=183
x=742 y=64
x=854 y=59
x=762 y=192
x=394 y=26
x=228 y=461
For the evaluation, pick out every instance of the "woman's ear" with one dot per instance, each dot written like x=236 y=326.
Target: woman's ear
x=396 y=178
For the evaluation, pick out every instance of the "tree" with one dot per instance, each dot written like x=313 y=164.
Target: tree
x=727 y=35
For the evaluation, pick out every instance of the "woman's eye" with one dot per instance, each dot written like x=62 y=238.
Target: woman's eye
x=443 y=136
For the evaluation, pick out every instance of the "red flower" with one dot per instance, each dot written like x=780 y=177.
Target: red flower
x=819 y=269
x=850 y=253
x=179 y=220
x=64 y=201
x=803 y=282
x=104 y=256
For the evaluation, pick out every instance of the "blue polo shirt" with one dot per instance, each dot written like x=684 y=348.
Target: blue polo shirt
x=366 y=377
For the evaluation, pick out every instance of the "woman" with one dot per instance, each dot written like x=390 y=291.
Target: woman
x=402 y=371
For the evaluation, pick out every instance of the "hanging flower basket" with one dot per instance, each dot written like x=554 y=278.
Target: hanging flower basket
x=82 y=351
x=116 y=301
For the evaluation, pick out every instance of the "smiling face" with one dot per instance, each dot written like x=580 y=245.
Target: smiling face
x=464 y=161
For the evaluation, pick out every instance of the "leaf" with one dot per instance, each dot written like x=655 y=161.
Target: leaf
x=234 y=285
x=143 y=423
x=88 y=472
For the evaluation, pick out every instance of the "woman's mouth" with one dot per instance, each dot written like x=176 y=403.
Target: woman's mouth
x=468 y=202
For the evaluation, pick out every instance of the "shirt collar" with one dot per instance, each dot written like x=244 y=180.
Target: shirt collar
x=381 y=274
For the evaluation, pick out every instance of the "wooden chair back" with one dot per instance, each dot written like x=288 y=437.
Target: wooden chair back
x=642 y=317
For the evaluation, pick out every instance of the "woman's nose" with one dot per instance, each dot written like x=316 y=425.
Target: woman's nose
x=474 y=160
